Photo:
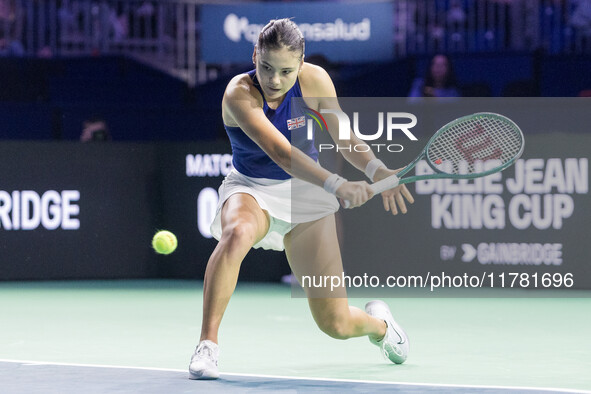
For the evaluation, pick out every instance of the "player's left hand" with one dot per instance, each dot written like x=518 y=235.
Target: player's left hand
x=393 y=199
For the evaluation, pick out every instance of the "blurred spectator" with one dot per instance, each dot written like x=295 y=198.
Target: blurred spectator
x=10 y=47
x=104 y=20
x=439 y=81
x=144 y=20
x=581 y=17
x=95 y=129
x=10 y=29
x=145 y=10
x=456 y=15
x=456 y=23
x=45 y=52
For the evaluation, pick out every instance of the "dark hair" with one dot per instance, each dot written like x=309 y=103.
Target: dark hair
x=450 y=78
x=281 y=32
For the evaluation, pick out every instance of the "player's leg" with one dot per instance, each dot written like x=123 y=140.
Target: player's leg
x=244 y=224
x=313 y=250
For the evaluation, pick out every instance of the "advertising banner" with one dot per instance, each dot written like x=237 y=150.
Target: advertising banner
x=523 y=228
x=72 y=210
x=89 y=211
x=342 y=32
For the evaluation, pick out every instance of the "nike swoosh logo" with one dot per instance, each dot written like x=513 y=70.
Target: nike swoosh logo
x=399 y=336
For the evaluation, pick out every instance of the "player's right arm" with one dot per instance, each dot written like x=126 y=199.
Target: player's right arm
x=242 y=106
x=319 y=85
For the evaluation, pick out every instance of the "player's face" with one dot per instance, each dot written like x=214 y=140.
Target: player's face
x=277 y=71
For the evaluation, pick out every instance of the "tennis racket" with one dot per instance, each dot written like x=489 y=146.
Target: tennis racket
x=459 y=149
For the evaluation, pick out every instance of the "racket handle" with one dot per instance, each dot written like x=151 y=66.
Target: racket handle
x=381 y=186
x=385 y=184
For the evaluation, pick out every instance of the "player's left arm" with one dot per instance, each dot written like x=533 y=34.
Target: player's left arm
x=321 y=93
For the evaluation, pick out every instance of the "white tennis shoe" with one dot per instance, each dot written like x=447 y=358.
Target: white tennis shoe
x=394 y=345
x=204 y=363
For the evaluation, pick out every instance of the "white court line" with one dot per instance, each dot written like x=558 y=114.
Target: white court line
x=560 y=390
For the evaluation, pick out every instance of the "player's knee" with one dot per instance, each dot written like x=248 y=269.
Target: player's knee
x=336 y=328
x=240 y=233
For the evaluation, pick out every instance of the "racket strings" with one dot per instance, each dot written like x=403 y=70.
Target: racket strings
x=461 y=145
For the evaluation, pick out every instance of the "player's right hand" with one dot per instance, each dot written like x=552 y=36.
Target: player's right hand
x=357 y=193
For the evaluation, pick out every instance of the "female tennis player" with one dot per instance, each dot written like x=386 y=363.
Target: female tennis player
x=257 y=207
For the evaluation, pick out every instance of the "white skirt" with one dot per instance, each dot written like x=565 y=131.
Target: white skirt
x=288 y=203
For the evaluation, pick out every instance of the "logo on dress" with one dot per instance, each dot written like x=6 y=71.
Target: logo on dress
x=296 y=123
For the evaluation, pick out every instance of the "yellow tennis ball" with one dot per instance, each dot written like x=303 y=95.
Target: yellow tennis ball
x=164 y=242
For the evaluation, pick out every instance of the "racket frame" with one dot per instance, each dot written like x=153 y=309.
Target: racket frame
x=395 y=180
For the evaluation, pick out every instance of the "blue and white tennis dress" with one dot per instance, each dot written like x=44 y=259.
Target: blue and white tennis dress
x=288 y=200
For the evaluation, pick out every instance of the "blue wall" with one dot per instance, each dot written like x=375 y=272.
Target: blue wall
x=50 y=98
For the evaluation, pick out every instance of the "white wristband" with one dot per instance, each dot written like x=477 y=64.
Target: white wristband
x=372 y=167
x=333 y=182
